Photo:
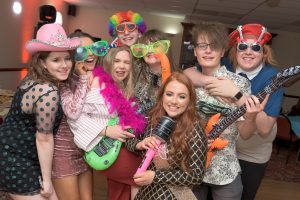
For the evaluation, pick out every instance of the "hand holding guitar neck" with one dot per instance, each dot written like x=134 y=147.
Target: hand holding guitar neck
x=213 y=130
x=162 y=132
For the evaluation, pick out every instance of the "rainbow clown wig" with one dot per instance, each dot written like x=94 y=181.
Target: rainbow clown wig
x=128 y=16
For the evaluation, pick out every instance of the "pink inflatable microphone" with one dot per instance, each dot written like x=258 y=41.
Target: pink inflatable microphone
x=162 y=132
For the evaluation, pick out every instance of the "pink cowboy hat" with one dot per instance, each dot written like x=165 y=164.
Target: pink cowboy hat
x=52 y=37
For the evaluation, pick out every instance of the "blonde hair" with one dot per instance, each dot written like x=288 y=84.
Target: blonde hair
x=108 y=63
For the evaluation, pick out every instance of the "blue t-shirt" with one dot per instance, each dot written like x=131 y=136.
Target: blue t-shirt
x=262 y=79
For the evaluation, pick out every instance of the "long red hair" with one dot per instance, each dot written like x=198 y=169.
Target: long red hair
x=184 y=123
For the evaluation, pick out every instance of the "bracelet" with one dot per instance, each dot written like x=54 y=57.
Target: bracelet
x=105 y=130
x=238 y=96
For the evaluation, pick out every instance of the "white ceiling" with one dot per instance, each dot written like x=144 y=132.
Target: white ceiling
x=274 y=14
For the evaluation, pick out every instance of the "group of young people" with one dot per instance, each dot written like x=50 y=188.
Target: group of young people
x=76 y=85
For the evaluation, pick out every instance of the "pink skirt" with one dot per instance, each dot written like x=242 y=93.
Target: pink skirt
x=68 y=158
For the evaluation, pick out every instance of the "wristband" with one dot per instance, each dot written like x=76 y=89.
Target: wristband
x=238 y=96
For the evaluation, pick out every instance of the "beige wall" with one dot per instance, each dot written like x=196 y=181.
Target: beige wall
x=15 y=31
x=286 y=46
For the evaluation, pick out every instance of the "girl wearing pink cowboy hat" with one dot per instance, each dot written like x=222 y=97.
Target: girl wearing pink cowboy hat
x=27 y=133
x=71 y=176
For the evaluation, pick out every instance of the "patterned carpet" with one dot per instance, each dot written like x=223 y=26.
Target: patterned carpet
x=4 y=196
x=278 y=170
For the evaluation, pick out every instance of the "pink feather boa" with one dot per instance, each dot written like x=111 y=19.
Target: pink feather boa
x=117 y=102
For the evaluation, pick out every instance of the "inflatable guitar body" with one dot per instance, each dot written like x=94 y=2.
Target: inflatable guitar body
x=213 y=131
x=105 y=153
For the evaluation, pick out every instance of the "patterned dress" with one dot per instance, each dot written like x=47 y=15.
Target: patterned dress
x=35 y=107
x=147 y=84
x=170 y=182
x=224 y=166
x=68 y=158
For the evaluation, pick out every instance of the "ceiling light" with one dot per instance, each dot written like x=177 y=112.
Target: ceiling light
x=59 y=18
x=17 y=7
x=171 y=30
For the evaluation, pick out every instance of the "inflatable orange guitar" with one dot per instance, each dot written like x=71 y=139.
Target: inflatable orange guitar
x=165 y=66
x=215 y=127
x=218 y=143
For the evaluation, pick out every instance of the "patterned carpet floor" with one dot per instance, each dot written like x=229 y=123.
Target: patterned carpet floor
x=4 y=196
x=278 y=169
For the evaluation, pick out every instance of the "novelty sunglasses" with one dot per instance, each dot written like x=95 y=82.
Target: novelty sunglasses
x=128 y=26
x=140 y=50
x=99 y=48
x=242 y=46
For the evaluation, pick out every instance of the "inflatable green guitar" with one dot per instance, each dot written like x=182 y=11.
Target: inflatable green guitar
x=105 y=153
